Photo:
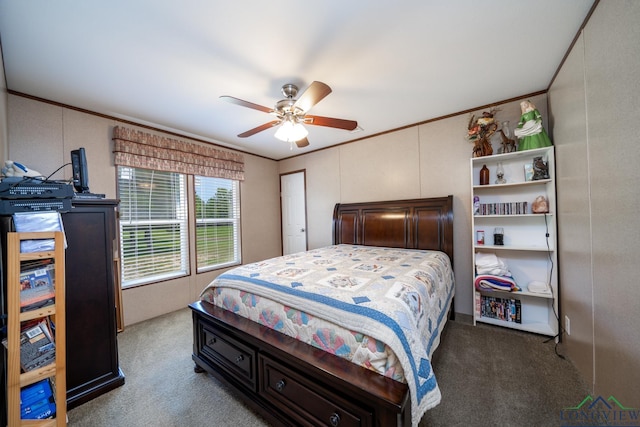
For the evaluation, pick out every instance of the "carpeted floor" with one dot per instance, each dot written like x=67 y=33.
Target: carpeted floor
x=492 y=376
x=488 y=376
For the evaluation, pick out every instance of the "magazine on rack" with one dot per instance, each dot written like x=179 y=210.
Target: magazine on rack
x=37 y=401
x=38 y=221
x=37 y=284
x=37 y=348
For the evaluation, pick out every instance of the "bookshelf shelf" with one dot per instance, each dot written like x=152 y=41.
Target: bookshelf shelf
x=512 y=248
x=542 y=328
x=17 y=314
x=518 y=294
x=38 y=313
x=501 y=187
x=479 y=217
x=529 y=240
x=36 y=375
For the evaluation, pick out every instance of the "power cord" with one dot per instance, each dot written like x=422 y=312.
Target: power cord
x=553 y=305
x=55 y=171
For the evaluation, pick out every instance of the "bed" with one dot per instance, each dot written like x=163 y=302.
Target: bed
x=251 y=325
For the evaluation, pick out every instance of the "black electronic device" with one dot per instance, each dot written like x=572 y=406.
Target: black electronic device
x=88 y=196
x=11 y=206
x=33 y=188
x=80 y=171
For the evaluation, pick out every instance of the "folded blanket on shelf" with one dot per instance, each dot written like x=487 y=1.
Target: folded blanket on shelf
x=488 y=282
x=490 y=264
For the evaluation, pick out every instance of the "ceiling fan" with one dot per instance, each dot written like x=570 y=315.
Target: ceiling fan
x=291 y=114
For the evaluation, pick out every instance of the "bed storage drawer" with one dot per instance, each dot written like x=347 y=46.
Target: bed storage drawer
x=233 y=356
x=308 y=402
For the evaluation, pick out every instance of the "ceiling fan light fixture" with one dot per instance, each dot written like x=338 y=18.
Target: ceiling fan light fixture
x=292 y=114
x=291 y=131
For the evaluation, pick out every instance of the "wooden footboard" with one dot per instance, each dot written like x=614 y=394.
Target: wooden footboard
x=291 y=383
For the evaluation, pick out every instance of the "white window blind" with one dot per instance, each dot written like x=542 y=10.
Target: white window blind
x=217 y=211
x=153 y=225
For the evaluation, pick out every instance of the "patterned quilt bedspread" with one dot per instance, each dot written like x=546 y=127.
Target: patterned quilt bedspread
x=382 y=308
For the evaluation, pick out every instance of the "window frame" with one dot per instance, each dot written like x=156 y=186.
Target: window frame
x=181 y=219
x=235 y=221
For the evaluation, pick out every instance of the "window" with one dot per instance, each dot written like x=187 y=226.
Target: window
x=217 y=211
x=153 y=225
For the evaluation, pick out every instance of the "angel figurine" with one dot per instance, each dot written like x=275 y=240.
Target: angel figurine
x=529 y=130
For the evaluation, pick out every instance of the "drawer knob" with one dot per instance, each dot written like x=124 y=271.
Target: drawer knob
x=280 y=385
x=212 y=341
x=334 y=419
x=239 y=359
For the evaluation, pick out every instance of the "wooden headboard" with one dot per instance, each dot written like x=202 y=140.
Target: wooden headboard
x=411 y=224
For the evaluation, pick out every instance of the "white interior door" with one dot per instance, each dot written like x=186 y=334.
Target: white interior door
x=294 y=213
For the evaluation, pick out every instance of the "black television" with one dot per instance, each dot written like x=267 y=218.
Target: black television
x=80 y=172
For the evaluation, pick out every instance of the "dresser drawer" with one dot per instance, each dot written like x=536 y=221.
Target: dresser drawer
x=307 y=402
x=231 y=355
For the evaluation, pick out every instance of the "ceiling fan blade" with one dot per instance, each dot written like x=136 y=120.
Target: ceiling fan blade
x=330 y=122
x=302 y=143
x=247 y=104
x=312 y=95
x=259 y=129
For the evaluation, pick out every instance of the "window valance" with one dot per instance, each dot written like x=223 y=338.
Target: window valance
x=143 y=150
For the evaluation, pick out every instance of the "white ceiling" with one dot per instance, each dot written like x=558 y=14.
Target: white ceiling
x=389 y=63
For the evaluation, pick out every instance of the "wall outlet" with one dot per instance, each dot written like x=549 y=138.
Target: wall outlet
x=567 y=325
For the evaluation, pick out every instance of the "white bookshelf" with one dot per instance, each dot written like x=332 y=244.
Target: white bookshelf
x=529 y=248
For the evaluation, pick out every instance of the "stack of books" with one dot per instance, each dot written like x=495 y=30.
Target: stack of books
x=513 y=208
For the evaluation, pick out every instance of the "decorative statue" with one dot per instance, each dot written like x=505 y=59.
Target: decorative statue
x=508 y=145
x=540 y=169
x=480 y=132
x=529 y=130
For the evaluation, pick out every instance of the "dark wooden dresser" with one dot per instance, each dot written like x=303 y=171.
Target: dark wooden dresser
x=92 y=347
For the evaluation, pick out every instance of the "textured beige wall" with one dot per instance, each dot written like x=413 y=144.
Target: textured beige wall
x=42 y=135
x=36 y=136
x=569 y=127
x=322 y=173
x=428 y=160
x=595 y=109
x=322 y=179
x=94 y=134
x=612 y=61
x=260 y=204
x=4 y=132
x=383 y=168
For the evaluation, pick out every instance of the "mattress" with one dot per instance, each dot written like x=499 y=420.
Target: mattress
x=381 y=308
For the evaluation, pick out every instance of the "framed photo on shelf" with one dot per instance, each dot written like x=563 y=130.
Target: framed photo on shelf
x=528 y=172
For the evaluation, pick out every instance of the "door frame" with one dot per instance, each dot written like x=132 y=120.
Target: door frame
x=306 y=228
